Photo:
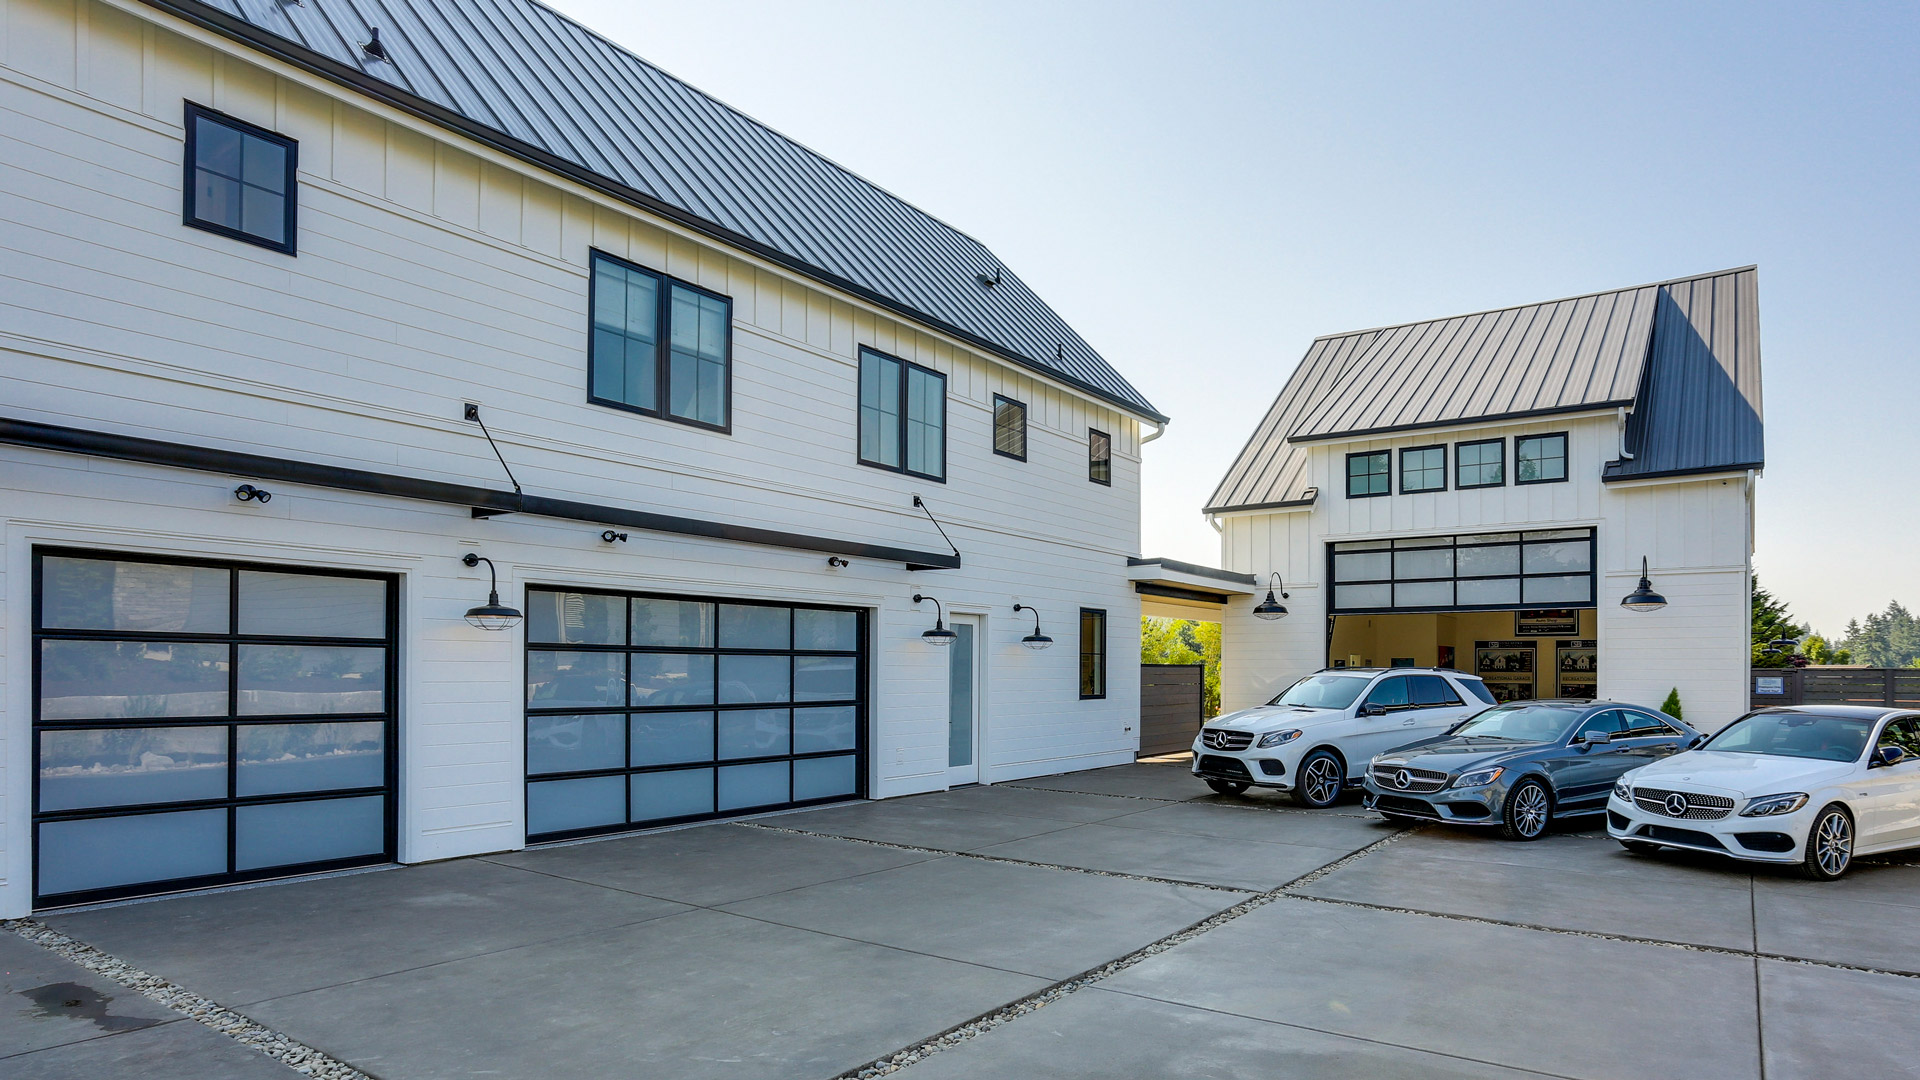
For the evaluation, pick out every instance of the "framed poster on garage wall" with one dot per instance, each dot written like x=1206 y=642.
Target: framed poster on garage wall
x=1577 y=667
x=1546 y=622
x=1507 y=667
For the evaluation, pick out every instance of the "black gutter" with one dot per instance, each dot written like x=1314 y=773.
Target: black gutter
x=1610 y=476
x=1469 y=421
x=1195 y=569
x=211 y=18
x=484 y=502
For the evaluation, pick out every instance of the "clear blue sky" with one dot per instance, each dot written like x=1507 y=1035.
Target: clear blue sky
x=1201 y=188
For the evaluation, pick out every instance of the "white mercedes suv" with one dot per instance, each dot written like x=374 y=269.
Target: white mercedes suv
x=1317 y=737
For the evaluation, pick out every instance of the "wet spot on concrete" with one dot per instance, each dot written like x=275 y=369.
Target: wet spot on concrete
x=67 y=1000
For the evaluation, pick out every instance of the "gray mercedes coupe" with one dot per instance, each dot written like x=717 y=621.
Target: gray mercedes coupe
x=1523 y=765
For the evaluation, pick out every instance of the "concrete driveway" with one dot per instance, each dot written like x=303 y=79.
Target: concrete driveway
x=1123 y=922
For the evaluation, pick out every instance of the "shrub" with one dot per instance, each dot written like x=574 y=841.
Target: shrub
x=1672 y=705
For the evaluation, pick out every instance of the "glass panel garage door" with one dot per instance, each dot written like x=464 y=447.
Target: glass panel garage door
x=1484 y=572
x=647 y=710
x=202 y=723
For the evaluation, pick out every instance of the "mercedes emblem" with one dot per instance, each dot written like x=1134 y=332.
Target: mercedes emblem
x=1402 y=779
x=1676 y=805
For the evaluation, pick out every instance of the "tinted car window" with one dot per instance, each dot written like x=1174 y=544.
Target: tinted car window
x=1905 y=734
x=1389 y=692
x=1478 y=689
x=1323 y=692
x=1607 y=720
x=1527 y=723
x=1432 y=690
x=1794 y=734
x=1646 y=725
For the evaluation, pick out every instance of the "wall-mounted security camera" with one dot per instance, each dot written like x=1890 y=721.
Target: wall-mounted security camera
x=610 y=536
x=835 y=562
x=249 y=493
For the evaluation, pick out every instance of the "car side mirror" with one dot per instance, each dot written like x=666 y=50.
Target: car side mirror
x=1696 y=741
x=1373 y=708
x=1596 y=738
x=1887 y=755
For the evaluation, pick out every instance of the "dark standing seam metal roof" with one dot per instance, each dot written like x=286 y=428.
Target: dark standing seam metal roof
x=542 y=87
x=1684 y=355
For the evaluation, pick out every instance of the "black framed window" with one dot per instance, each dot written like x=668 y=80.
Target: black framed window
x=1479 y=464
x=1423 y=468
x=1099 y=457
x=199 y=723
x=903 y=416
x=1093 y=653
x=647 y=709
x=1009 y=427
x=1369 y=474
x=658 y=345
x=1540 y=459
x=240 y=179
x=1551 y=568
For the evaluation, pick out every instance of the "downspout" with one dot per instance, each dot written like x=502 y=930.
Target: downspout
x=1159 y=429
x=1625 y=454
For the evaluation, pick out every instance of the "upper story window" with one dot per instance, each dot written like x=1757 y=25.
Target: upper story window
x=1369 y=474
x=1480 y=464
x=240 y=180
x=1423 y=469
x=1540 y=459
x=903 y=416
x=1093 y=653
x=1009 y=427
x=1099 y=457
x=659 y=346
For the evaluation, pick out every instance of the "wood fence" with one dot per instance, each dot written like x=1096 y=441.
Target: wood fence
x=1893 y=687
x=1172 y=705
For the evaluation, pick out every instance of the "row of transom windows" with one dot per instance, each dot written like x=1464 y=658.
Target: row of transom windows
x=1480 y=463
x=657 y=346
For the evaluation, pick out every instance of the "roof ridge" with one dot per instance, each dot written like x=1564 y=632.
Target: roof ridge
x=1539 y=303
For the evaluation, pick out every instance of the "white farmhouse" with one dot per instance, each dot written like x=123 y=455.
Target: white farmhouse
x=426 y=428
x=1481 y=492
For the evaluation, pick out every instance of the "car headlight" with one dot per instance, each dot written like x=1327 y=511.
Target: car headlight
x=1769 y=805
x=1279 y=738
x=1477 y=778
x=1623 y=791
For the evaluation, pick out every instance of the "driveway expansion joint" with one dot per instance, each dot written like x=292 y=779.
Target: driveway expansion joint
x=244 y=1030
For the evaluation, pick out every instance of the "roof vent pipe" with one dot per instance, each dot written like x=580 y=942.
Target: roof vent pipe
x=374 y=49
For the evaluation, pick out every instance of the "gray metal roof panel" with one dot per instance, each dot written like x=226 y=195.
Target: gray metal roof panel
x=1685 y=354
x=522 y=70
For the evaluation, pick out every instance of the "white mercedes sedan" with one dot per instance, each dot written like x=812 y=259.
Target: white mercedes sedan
x=1805 y=785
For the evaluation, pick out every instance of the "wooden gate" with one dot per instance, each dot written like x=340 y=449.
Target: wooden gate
x=1172 y=700
x=1893 y=687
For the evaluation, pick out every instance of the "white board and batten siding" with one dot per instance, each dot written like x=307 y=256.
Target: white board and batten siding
x=1695 y=532
x=431 y=274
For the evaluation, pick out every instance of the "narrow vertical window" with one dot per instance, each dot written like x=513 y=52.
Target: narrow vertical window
x=658 y=346
x=1093 y=653
x=1423 y=469
x=1009 y=428
x=1480 y=464
x=902 y=416
x=1099 y=457
x=1540 y=459
x=240 y=180
x=1369 y=474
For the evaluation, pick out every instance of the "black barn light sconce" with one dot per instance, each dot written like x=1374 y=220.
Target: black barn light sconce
x=1643 y=598
x=939 y=635
x=1272 y=608
x=1036 y=640
x=492 y=615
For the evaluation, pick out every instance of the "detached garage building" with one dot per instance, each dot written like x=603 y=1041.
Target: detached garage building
x=426 y=429
x=1480 y=492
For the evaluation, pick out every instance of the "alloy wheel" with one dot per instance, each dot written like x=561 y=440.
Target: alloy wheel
x=1322 y=784
x=1528 y=810
x=1833 y=843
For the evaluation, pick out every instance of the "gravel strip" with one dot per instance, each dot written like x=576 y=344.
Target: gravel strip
x=946 y=1040
x=290 y=1052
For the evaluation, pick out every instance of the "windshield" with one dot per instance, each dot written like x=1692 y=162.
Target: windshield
x=1802 y=735
x=1323 y=692
x=1527 y=723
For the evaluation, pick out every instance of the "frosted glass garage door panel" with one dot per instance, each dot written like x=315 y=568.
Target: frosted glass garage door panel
x=749 y=627
x=1423 y=594
x=113 y=680
x=557 y=744
x=1363 y=566
x=1553 y=590
x=751 y=733
x=288 y=834
x=312 y=605
x=815 y=730
x=559 y=805
x=825 y=631
x=286 y=680
x=671 y=738
x=130 y=766
x=824 y=678
x=574 y=618
x=822 y=778
x=1358 y=596
x=1481 y=591
x=102 y=853
x=742 y=786
x=683 y=793
x=745 y=679
x=105 y=594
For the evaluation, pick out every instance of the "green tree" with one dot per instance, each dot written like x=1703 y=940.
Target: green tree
x=1818 y=650
x=1671 y=706
x=1770 y=624
x=1185 y=641
x=1890 y=638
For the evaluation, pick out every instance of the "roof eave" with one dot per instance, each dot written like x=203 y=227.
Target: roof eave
x=1612 y=476
x=219 y=22
x=1465 y=421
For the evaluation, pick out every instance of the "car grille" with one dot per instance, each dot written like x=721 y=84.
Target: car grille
x=1221 y=739
x=1682 y=804
x=1419 y=781
x=1225 y=768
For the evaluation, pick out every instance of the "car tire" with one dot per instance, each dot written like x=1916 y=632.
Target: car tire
x=1829 y=844
x=1227 y=787
x=1528 y=811
x=1639 y=847
x=1321 y=776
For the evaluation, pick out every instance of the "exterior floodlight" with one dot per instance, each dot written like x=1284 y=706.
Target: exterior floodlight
x=938 y=636
x=1036 y=640
x=492 y=615
x=1643 y=598
x=1271 y=608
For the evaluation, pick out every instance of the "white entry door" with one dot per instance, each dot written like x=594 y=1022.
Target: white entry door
x=963 y=702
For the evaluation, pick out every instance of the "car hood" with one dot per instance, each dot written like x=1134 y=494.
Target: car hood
x=1450 y=754
x=1748 y=774
x=1273 y=718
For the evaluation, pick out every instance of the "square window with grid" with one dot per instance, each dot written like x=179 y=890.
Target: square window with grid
x=1540 y=459
x=240 y=180
x=1423 y=468
x=683 y=372
x=1369 y=474
x=1480 y=464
